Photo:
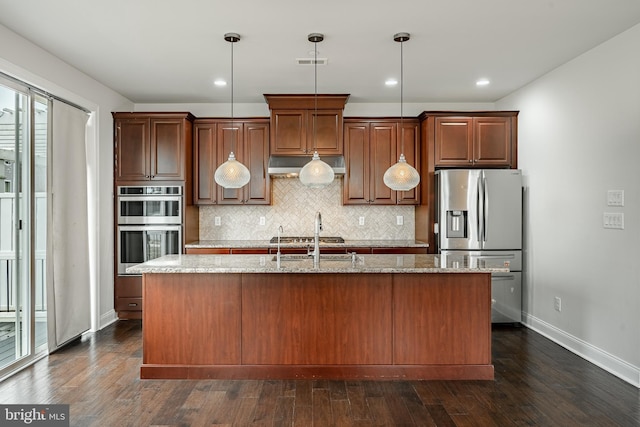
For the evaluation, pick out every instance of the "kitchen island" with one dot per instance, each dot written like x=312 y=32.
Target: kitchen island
x=350 y=317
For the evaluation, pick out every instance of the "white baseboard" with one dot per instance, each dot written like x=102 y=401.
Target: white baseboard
x=108 y=318
x=610 y=363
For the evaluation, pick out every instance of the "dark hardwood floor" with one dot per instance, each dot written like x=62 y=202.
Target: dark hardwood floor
x=538 y=383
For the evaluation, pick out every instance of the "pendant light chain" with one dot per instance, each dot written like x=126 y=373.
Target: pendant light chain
x=402 y=97
x=233 y=129
x=315 y=91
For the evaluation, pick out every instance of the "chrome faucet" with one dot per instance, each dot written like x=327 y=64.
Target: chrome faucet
x=278 y=253
x=316 y=239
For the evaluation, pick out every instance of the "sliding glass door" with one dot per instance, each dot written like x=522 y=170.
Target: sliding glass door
x=24 y=123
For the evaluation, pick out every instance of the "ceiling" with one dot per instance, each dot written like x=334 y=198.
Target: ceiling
x=165 y=51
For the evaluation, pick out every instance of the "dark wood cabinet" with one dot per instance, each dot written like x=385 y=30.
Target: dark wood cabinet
x=204 y=163
x=473 y=141
x=249 y=140
x=151 y=147
x=297 y=126
x=455 y=139
x=371 y=147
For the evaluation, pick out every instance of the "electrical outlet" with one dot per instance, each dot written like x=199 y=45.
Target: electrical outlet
x=263 y=220
x=613 y=220
x=557 y=303
x=399 y=220
x=361 y=220
x=216 y=220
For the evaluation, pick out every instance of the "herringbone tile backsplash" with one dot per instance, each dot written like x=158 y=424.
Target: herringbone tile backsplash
x=294 y=207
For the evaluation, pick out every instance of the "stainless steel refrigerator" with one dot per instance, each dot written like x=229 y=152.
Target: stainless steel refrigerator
x=479 y=221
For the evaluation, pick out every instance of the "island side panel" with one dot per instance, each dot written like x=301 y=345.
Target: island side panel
x=191 y=319
x=316 y=319
x=442 y=319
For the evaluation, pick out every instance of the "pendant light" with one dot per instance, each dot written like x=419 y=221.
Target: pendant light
x=401 y=176
x=232 y=173
x=316 y=173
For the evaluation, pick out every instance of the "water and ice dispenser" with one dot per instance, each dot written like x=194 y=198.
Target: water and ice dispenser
x=456 y=224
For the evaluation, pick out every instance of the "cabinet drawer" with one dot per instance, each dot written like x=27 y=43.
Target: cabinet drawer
x=128 y=286
x=128 y=304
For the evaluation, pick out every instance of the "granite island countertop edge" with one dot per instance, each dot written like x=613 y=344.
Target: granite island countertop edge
x=377 y=243
x=423 y=263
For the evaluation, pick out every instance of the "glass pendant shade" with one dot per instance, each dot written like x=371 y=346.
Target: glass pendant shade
x=316 y=173
x=232 y=173
x=401 y=176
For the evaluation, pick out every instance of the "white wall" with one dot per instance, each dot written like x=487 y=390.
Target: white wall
x=31 y=64
x=579 y=136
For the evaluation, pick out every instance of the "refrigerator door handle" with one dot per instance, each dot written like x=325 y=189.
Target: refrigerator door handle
x=495 y=256
x=485 y=209
x=479 y=205
x=502 y=278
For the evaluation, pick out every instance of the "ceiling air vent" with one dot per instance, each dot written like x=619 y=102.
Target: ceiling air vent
x=309 y=61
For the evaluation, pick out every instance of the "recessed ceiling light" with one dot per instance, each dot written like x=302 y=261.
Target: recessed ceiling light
x=220 y=82
x=482 y=82
x=391 y=82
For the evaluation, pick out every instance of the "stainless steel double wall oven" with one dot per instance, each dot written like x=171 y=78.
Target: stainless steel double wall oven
x=149 y=223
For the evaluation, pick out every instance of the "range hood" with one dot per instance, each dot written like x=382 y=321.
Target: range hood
x=290 y=165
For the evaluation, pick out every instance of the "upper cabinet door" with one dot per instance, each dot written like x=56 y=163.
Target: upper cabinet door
x=288 y=132
x=409 y=141
x=454 y=141
x=492 y=141
x=356 y=154
x=132 y=149
x=256 y=155
x=383 y=154
x=205 y=162
x=167 y=149
x=324 y=132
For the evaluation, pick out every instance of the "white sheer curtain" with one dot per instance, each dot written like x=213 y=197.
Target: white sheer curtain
x=68 y=286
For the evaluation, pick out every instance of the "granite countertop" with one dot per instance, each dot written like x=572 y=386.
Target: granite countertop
x=342 y=263
x=267 y=244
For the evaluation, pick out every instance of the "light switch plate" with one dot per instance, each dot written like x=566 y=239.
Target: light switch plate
x=615 y=197
x=399 y=220
x=613 y=220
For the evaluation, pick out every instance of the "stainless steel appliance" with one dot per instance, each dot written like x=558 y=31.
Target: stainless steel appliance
x=479 y=219
x=140 y=243
x=149 y=205
x=149 y=224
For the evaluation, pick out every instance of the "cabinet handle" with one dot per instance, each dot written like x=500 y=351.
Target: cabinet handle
x=133 y=304
x=470 y=161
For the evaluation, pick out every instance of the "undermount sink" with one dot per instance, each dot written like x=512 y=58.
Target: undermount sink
x=326 y=257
